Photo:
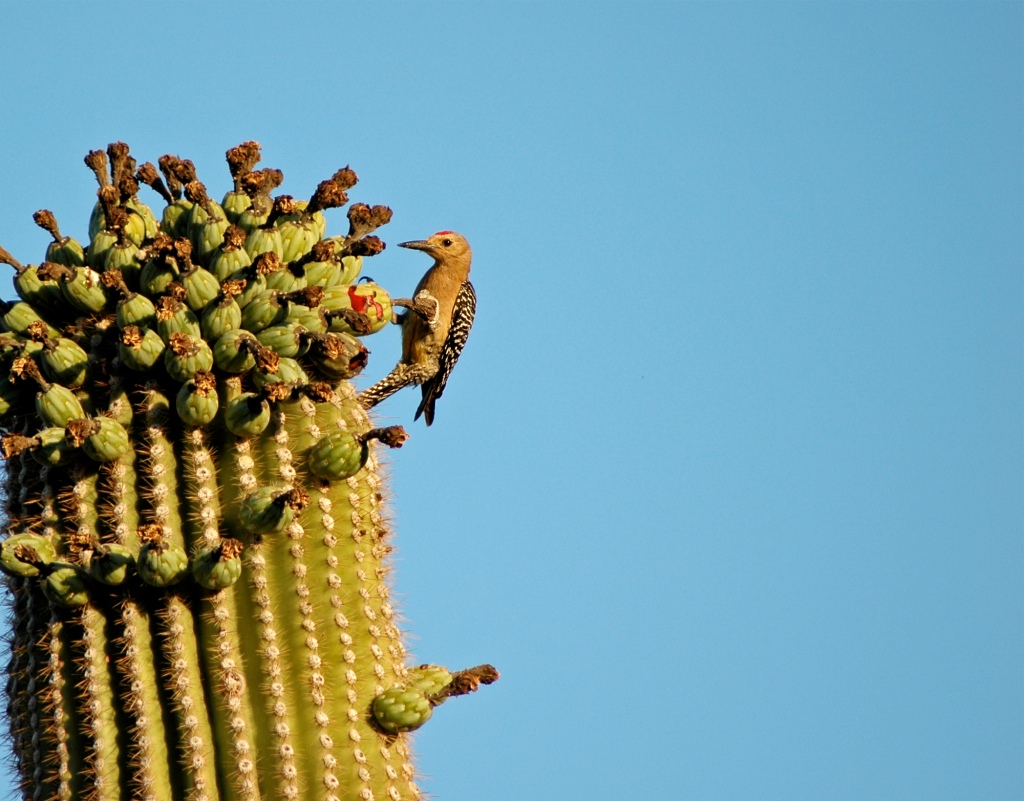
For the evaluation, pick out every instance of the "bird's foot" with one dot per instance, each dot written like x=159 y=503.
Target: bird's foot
x=424 y=304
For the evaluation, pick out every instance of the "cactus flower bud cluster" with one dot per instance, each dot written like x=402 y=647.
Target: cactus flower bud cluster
x=195 y=539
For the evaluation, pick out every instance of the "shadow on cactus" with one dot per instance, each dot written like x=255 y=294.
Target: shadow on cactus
x=196 y=545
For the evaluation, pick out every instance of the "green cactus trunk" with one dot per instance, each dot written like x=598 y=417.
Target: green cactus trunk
x=197 y=548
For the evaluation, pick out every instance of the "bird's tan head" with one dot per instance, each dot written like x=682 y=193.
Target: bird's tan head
x=444 y=246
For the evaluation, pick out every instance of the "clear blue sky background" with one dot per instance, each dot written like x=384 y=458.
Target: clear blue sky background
x=728 y=482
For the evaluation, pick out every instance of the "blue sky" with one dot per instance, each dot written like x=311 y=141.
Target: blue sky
x=728 y=482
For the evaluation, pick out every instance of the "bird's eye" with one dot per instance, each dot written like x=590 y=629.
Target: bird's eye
x=447 y=243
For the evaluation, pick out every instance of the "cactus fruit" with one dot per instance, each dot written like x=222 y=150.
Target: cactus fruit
x=406 y=707
x=195 y=543
x=343 y=454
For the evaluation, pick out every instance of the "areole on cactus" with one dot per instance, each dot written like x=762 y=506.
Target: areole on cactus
x=196 y=542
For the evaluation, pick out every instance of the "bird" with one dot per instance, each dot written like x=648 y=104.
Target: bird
x=434 y=327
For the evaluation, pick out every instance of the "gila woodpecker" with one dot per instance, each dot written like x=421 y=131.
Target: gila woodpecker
x=436 y=325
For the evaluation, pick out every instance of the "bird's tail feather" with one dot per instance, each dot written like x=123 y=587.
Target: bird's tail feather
x=403 y=375
x=383 y=389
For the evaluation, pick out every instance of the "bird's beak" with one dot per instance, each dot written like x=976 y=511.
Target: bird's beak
x=416 y=244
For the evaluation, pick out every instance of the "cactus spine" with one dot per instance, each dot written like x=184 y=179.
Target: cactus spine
x=195 y=538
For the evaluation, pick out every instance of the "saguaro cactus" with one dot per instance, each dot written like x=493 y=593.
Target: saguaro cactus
x=196 y=541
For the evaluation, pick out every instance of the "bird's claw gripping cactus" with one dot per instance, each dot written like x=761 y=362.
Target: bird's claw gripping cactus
x=196 y=543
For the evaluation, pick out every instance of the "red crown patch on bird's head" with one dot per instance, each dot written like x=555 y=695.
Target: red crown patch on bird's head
x=442 y=233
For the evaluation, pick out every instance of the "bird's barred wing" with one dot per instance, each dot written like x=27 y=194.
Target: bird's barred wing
x=462 y=320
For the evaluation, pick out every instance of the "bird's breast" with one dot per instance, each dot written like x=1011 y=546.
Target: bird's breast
x=419 y=343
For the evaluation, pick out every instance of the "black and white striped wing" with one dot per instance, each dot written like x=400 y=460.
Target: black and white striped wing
x=462 y=320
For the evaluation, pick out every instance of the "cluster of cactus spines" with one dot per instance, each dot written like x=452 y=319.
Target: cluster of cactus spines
x=196 y=544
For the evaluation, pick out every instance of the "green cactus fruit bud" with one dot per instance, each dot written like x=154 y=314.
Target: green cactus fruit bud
x=138 y=221
x=309 y=318
x=208 y=237
x=336 y=356
x=337 y=456
x=206 y=222
x=50 y=448
x=262 y=312
x=25 y=554
x=287 y=209
x=136 y=309
x=150 y=225
x=174 y=221
x=336 y=272
x=219 y=566
x=109 y=443
x=233 y=352
x=234 y=204
x=200 y=288
x=83 y=290
x=66 y=586
x=298 y=236
x=157 y=275
x=271 y=509
x=429 y=679
x=197 y=403
x=136 y=229
x=256 y=277
x=140 y=348
x=160 y=563
x=264 y=240
x=317 y=218
x=255 y=286
x=288 y=279
x=285 y=340
x=255 y=216
x=44 y=295
x=58 y=406
x=401 y=709
x=174 y=317
x=67 y=251
x=326 y=274
x=32 y=348
x=111 y=564
x=351 y=267
x=135 y=225
x=248 y=415
x=96 y=220
x=126 y=257
x=276 y=308
x=322 y=267
x=64 y=361
x=185 y=355
x=99 y=246
x=101 y=438
x=219 y=317
x=319 y=223
x=231 y=257
x=368 y=299
x=289 y=372
x=343 y=454
x=19 y=317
